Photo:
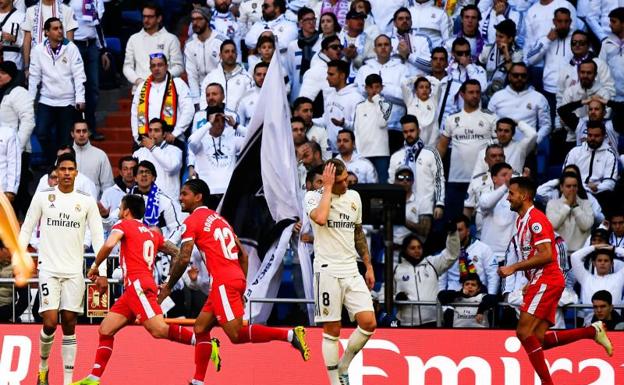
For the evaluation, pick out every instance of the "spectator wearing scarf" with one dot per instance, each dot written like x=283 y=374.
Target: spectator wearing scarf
x=301 y=51
x=164 y=97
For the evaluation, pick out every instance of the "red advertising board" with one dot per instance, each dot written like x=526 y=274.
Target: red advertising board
x=392 y=357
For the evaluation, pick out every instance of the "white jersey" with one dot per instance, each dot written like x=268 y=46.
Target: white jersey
x=334 y=243
x=62 y=218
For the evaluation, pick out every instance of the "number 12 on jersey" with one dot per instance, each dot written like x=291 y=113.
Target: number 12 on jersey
x=226 y=238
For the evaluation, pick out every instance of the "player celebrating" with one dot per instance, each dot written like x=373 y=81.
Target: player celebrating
x=226 y=261
x=336 y=215
x=62 y=213
x=535 y=240
x=139 y=300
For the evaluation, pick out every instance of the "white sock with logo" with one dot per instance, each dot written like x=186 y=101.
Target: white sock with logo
x=358 y=339
x=331 y=352
x=45 y=345
x=68 y=352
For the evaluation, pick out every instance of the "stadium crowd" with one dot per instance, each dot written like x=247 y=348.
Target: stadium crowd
x=448 y=100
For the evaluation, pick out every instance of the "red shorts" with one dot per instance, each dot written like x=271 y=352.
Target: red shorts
x=139 y=301
x=541 y=299
x=225 y=300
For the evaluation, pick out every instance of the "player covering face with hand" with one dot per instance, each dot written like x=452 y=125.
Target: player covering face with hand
x=226 y=261
x=139 y=245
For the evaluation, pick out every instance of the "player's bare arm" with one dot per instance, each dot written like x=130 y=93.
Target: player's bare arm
x=170 y=249
x=320 y=214
x=243 y=257
x=361 y=246
x=178 y=267
x=542 y=257
x=94 y=274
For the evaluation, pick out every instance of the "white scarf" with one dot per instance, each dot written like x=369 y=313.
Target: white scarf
x=37 y=33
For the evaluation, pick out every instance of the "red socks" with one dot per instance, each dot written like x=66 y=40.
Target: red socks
x=203 y=349
x=102 y=355
x=260 y=333
x=536 y=355
x=563 y=337
x=179 y=334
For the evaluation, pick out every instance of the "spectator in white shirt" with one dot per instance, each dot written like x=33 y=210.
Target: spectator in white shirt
x=273 y=19
x=11 y=20
x=123 y=184
x=339 y=110
x=471 y=130
x=516 y=151
x=314 y=85
x=356 y=163
x=225 y=23
x=302 y=50
x=392 y=72
x=495 y=12
x=153 y=38
x=161 y=96
x=57 y=66
x=304 y=109
x=412 y=47
x=370 y=126
x=34 y=25
x=498 y=220
x=470 y=15
x=482 y=183
x=358 y=46
x=421 y=99
x=232 y=76
x=165 y=157
x=431 y=20
x=10 y=162
x=247 y=105
x=571 y=216
x=612 y=53
x=92 y=161
x=201 y=53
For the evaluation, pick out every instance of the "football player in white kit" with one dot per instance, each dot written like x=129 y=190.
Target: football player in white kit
x=62 y=214
x=336 y=217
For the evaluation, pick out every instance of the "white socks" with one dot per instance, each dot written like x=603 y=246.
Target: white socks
x=331 y=353
x=358 y=339
x=68 y=352
x=45 y=345
x=291 y=335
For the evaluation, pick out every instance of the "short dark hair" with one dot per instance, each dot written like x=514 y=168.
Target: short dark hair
x=617 y=212
x=316 y=170
x=66 y=157
x=408 y=118
x=421 y=79
x=469 y=82
x=135 y=204
x=569 y=174
x=493 y=145
x=470 y=7
x=48 y=23
x=400 y=10
x=329 y=39
x=341 y=65
x=69 y=147
x=380 y=36
x=302 y=12
x=373 y=79
x=617 y=13
x=296 y=119
x=497 y=167
x=301 y=100
x=589 y=61
x=79 y=120
x=127 y=158
x=462 y=219
x=198 y=186
x=348 y=132
x=218 y=85
x=265 y=39
x=525 y=184
x=441 y=50
x=597 y=124
x=459 y=41
x=509 y=121
x=519 y=64
x=148 y=165
x=157 y=9
x=581 y=32
x=260 y=64
x=226 y=42
x=563 y=10
x=315 y=147
x=603 y=295
x=471 y=277
x=281 y=4
x=165 y=126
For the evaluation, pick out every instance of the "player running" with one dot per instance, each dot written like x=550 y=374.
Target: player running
x=226 y=261
x=139 y=300
x=535 y=240
x=336 y=217
x=63 y=214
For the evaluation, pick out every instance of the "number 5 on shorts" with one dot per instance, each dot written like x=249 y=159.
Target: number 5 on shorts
x=44 y=289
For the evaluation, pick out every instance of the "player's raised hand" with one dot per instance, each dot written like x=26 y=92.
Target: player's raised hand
x=329 y=175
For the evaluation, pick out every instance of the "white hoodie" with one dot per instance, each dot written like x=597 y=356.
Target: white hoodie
x=340 y=105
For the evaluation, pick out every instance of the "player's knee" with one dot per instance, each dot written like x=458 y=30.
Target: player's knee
x=159 y=332
x=369 y=324
x=234 y=337
x=49 y=327
x=523 y=333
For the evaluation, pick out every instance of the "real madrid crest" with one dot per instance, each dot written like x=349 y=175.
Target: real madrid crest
x=51 y=197
x=77 y=208
x=529 y=106
x=353 y=207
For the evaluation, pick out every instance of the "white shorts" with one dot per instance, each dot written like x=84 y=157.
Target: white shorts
x=57 y=293
x=331 y=293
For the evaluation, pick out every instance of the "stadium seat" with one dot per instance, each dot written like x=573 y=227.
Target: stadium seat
x=114 y=45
